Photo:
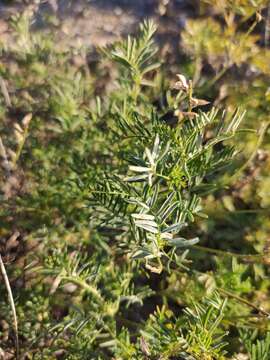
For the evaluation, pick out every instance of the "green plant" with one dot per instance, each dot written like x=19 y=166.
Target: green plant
x=120 y=245
x=258 y=349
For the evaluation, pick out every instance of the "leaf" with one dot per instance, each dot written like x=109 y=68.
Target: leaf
x=139 y=168
x=140 y=254
x=146 y=222
x=169 y=211
x=136 y=178
x=182 y=83
x=151 y=67
x=26 y=120
x=182 y=114
x=154 y=269
x=150 y=157
x=198 y=102
x=143 y=216
x=182 y=242
x=144 y=347
x=155 y=147
x=175 y=227
x=165 y=204
x=166 y=236
x=146 y=227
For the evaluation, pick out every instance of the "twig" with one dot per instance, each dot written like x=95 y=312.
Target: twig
x=267 y=27
x=262 y=132
x=239 y=171
x=5 y=93
x=244 y=257
x=3 y=154
x=25 y=121
x=11 y=301
x=246 y=302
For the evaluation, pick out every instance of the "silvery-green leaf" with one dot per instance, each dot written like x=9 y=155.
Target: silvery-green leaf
x=146 y=222
x=165 y=151
x=138 y=202
x=139 y=168
x=152 y=200
x=136 y=178
x=140 y=254
x=109 y=343
x=155 y=148
x=143 y=216
x=166 y=236
x=202 y=215
x=166 y=203
x=149 y=156
x=182 y=242
x=175 y=227
x=169 y=211
x=148 y=228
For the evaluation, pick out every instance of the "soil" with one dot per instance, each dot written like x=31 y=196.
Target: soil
x=96 y=22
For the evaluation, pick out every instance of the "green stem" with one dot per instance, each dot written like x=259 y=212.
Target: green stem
x=244 y=301
x=262 y=132
x=247 y=257
x=163 y=176
x=190 y=92
x=82 y=284
x=21 y=144
x=217 y=76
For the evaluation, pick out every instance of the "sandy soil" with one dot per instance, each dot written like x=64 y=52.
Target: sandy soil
x=95 y=22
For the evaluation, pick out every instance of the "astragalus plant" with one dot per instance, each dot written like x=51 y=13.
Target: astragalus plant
x=167 y=159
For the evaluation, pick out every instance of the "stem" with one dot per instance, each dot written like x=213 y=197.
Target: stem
x=6 y=163
x=247 y=257
x=267 y=26
x=262 y=132
x=218 y=76
x=190 y=91
x=22 y=142
x=5 y=93
x=197 y=72
x=11 y=301
x=163 y=176
x=231 y=295
x=244 y=301
x=90 y=289
x=252 y=27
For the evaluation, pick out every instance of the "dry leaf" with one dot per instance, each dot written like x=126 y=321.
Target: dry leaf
x=182 y=84
x=144 y=347
x=26 y=120
x=198 y=102
x=154 y=269
x=182 y=114
x=12 y=241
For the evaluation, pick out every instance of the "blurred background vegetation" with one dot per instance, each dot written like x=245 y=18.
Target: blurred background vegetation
x=58 y=98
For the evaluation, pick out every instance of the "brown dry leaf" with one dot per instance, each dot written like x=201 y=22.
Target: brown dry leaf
x=182 y=114
x=198 y=102
x=55 y=284
x=144 y=347
x=26 y=120
x=12 y=241
x=182 y=83
x=154 y=269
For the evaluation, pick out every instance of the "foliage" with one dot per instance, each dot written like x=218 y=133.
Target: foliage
x=134 y=212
